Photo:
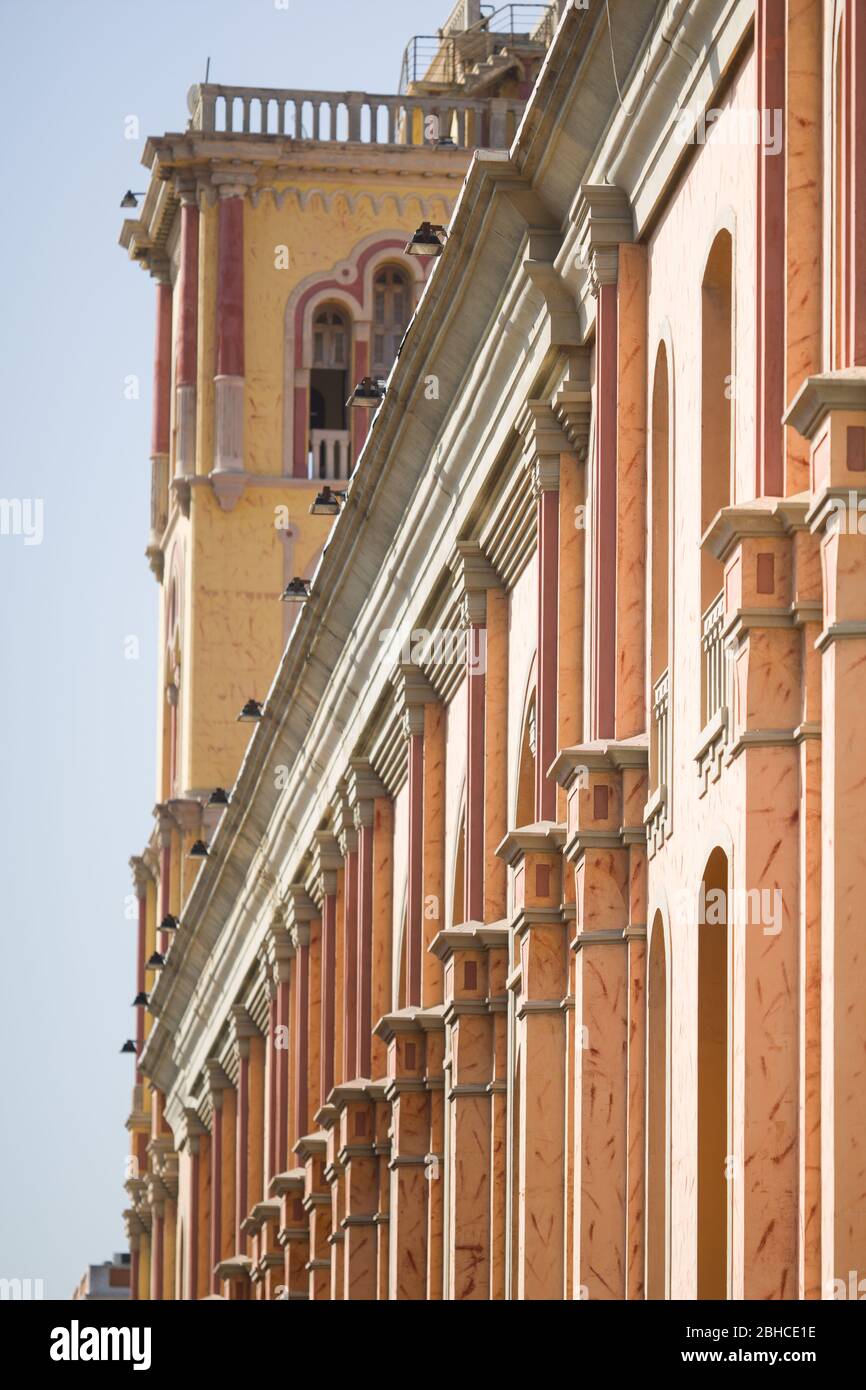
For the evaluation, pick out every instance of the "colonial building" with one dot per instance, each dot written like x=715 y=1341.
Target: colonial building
x=498 y=934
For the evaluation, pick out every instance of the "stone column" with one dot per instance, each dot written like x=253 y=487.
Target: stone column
x=141 y=877
x=606 y=793
x=223 y=1145
x=228 y=463
x=165 y=826
x=363 y=787
x=540 y=982
x=770 y=25
x=543 y=445
x=631 y=492
x=465 y=952
x=414 y=692
x=572 y=406
x=322 y=888
x=293 y=1235
x=473 y=576
x=347 y=838
x=355 y=1153
x=193 y=1150
x=830 y=411
x=160 y=433
x=410 y=1135
x=249 y=1154
x=301 y=914
x=604 y=220
x=312 y=1155
x=186 y=340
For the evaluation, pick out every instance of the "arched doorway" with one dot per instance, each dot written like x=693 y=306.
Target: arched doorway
x=713 y=1071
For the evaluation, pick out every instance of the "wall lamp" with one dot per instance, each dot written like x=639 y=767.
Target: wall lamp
x=198 y=850
x=128 y=1046
x=140 y=1000
x=296 y=591
x=156 y=962
x=327 y=503
x=130 y=199
x=368 y=393
x=429 y=240
x=251 y=712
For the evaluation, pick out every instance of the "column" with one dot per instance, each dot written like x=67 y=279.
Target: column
x=770 y=20
x=223 y=1146
x=464 y=952
x=606 y=794
x=413 y=693
x=249 y=1154
x=539 y=979
x=830 y=411
x=301 y=913
x=322 y=887
x=544 y=443
x=347 y=838
x=228 y=463
x=363 y=788
x=604 y=220
x=186 y=341
x=410 y=1134
x=631 y=492
x=160 y=432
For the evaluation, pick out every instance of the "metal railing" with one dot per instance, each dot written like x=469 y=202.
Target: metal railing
x=471 y=122
x=712 y=624
x=330 y=454
x=661 y=727
x=447 y=58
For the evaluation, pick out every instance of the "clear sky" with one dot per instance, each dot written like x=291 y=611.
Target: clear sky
x=77 y=706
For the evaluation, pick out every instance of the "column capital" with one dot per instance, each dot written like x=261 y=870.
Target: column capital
x=141 y=875
x=344 y=823
x=243 y=1028
x=301 y=910
x=187 y=813
x=604 y=219
x=572 y=406
x=325 y=862
x=413 y=692
x=543 y=442
x=362 y=788
x=217 y=1079
x=165 y=823
x=234 y=182
x=472 y=575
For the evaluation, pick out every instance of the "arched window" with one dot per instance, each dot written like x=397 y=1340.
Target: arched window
x=657 y=1109
x=660 y=576
x=717 y=433
x=525 y=808
x=330 y=339
x=713 y=1061
x=391 y=301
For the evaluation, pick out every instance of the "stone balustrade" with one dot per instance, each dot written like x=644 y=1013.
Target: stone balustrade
x=471 y=122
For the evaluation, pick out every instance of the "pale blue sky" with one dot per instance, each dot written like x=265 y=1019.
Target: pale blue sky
x=77 y=717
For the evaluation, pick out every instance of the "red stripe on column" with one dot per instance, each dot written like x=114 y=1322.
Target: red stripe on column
x=187 y=317
x=230 y=289
x=281 y=1121
x=473 y=891
x=415 y=891
x=605 y=508
x=329 y=982
x=216 y=1194
x=770 y=32
x=192 y=1247
x=242 y=1165
x=365 y=948
x=857 y=166
x=162 y=372
x=548 y=597
x=350 y=967
x=302 y=1024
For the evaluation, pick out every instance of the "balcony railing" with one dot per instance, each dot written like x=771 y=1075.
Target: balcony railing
x=448 y=58
x=714 y=660
x=661 y=727
x=330 y=454
x=336 y=117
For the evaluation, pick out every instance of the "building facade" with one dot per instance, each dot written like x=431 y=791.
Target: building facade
x=507 y=947
x=108 y=1282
